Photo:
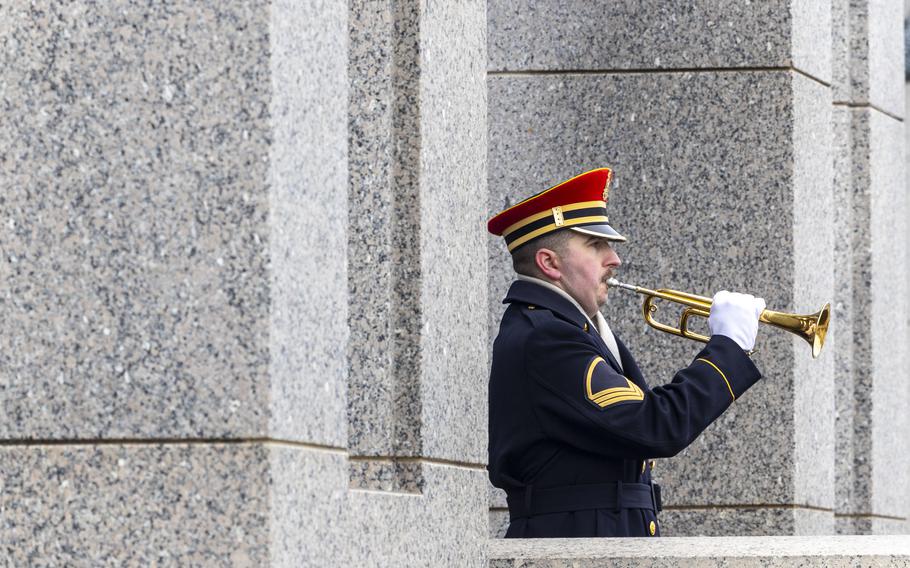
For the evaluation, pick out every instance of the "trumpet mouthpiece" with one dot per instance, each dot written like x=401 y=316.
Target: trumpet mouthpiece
x=613 y=282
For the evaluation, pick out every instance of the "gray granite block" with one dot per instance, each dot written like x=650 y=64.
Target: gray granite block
x=499 y=522
x=418 y=122
x=871 y=394
x=384 y=272
x=172 y=505
x=708 y=169
x=445 y=526
x=308 y=222
x=746 y=521
x=847 y=439
x=497 y=496
x=134 y=505
x=889 y=342
x=813 y=258
x=867 y=42
x=383 y=474
x=831 y=551
x=864 y=525
x=811 y=31
x=886 y=68
x=228 y=505
x=578 y=34
x=842 y=50
x=163 y=165
x=309 y=523
x=453 y=197
x=135 y=232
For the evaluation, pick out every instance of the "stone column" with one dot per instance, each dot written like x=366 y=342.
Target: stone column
x=716 y=117
x=184 y=272
x=871 y=271
x=417 y=291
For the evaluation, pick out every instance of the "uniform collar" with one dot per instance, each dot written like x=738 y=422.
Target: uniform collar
x=541 y=293
x=538 y=292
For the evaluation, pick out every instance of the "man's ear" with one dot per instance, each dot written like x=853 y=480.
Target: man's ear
x=548 y=263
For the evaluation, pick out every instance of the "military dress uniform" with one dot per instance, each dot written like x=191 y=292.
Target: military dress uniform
x=573 y=430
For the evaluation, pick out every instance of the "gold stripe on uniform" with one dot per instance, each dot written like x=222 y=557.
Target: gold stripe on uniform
x=610 y=396
x=721 y=374
x=537 y=216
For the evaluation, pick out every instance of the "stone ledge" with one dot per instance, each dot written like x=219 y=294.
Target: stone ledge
x=828 y=551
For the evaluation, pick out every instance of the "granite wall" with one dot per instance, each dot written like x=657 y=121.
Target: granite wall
x=238 y=324
x=871 y=295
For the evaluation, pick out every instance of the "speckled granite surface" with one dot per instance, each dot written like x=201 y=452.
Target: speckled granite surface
x=446 y=526
x=871 y=391
x=847 y=439
x=383 y=278
x=134 y=506
x=867 y=66
x=702 y=552
x=746 y=521
x=135 y=291
x=307 y=486
x=154 y=289
x=813 y=286
x=308 y=222
x=384 y=474
x=578 y=34
x=453 y=197
x=227 y=505
x=705 y=186
x=890 y=341
x=869 y=525
x=175 y=253
x=418 y=120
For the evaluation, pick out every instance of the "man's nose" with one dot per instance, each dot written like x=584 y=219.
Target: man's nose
x=612 y=259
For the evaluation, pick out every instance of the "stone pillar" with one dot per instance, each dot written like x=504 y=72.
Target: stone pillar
x=871 y=212
x=418 y=356
x=717 y=120
x=185 y=259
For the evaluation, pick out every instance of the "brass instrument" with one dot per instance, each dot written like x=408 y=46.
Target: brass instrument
x=812 y=327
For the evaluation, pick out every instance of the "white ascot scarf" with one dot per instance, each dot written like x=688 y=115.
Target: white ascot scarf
x=600 y=324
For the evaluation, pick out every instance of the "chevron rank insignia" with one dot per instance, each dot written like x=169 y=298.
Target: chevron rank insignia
x=605 y=387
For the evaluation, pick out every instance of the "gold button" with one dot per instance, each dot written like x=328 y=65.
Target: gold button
x=652 y=528
x=586 y=326
x=643 y=464
x=530 y=307
x=653 y=463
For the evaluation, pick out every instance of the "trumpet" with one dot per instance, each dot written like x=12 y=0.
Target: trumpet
x=811 y=327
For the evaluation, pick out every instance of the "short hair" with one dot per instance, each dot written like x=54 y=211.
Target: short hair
x=523 y=258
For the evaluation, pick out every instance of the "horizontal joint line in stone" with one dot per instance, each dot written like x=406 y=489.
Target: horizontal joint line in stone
x=745 y=506
x=867 y=516
x=169 y=442
x=384 y=492
x=534 y=72
x=848 y=104
x=419 y=460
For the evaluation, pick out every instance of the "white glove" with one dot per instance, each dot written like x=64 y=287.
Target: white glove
x=736 y=316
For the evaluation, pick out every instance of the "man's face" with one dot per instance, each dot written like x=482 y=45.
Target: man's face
x=587 y=263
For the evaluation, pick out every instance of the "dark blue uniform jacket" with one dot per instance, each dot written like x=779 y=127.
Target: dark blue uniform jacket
x=571 y=433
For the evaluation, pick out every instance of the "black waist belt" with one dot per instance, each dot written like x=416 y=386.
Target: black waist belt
x=530 y=501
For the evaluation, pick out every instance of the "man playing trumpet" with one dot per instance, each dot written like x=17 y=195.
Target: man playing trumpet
x=573 y=424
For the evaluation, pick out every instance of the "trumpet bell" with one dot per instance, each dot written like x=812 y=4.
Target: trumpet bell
x=813 y=328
